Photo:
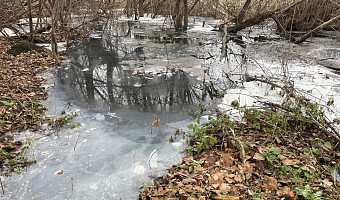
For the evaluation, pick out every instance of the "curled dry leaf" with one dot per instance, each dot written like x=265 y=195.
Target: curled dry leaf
x=61 y=172
x=156 y=123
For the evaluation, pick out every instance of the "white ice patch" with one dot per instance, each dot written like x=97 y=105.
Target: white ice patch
x=61 y=46
x=7 y=32
x=99 y=117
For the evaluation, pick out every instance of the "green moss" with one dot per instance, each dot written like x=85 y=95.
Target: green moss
x=24 y=47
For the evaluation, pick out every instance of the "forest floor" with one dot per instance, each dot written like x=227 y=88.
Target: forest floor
x=267 y=156
x=21 y=93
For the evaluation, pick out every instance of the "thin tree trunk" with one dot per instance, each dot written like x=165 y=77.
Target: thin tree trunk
x=31 y=35
x=141 y=8
x=224 y=40
x=53 y=28
x=68 y=21
x=243 y=12
x=177 y=15
x=39 y=20
x=186 y=14
x=135 y=9
x=250 y=22
x=128 y=8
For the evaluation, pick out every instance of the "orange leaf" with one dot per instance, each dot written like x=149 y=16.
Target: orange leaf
x=156 y=123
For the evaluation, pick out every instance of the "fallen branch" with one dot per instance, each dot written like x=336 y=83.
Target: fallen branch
x=243 y=152
x=252 y=21
x=310 y=33
x=192 y=7
x=258 y=18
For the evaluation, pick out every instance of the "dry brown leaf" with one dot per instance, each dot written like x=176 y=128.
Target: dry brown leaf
x=225 y=188
x=216 y=178
x=221 y=197
x=61 y=172
x=291 y=194
x=291 y=161
x=227 y=159
x=270 y=183
x=239 y=179
x=258 y=156
x=283 y=191
x=156 y=123
x=229 y=180
x=327 y=183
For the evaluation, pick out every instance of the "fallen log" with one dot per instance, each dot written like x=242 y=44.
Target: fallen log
x=310 y=33
x=258 y=18
x=250 y=22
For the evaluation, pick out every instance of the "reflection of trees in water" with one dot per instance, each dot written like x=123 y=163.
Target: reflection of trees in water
x=105 y=81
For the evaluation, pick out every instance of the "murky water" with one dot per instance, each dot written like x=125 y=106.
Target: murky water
x=96 y=78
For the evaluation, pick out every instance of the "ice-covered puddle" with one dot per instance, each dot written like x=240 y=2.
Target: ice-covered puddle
x=121 y=79
x=118 y=81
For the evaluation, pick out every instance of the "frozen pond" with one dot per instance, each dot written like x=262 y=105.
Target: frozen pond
x=120 y=80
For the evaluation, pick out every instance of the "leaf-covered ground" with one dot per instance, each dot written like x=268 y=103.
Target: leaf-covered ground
x=282 y=157
x=20 y=93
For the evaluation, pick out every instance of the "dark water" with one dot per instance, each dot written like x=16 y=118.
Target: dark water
x=95 y=76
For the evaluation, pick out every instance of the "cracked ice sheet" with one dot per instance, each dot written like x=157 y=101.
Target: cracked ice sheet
x=110 y=160
x=311 y=80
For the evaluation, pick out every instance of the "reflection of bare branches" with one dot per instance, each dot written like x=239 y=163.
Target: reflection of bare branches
x=106 y=81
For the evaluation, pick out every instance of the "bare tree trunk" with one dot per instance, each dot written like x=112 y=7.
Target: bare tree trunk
x=186 y=14
x=177 y=16
x=53 y=28
x=31 y=35
x=39 y=20
x=128 y=8
x=68 y=21
x=135 y=9
x=224 y=40
x=245 y=7
x=141 y=8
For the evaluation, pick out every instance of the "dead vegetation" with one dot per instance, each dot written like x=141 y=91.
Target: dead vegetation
x=277 y=153
x=20 y=93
